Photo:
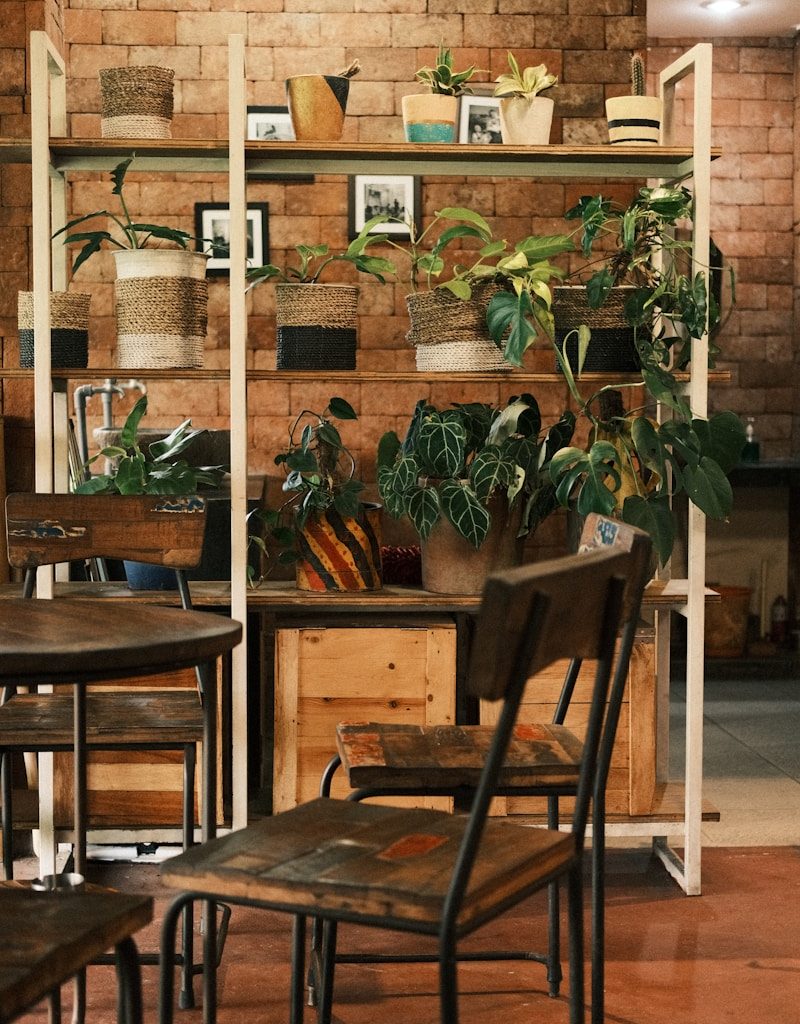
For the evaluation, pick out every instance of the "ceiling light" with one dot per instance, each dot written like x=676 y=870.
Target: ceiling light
x=722 y=6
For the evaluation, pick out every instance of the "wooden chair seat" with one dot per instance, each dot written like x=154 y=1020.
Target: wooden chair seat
x=369 y=860
x=45 y=939
x=375 y=754
x=45 y=721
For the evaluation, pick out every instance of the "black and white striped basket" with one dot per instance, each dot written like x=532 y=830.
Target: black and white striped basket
x=69 y=329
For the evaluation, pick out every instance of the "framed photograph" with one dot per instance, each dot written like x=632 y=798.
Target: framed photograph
x=212 y=226
x=269 y=124
x=395 y=195
x=479 y=120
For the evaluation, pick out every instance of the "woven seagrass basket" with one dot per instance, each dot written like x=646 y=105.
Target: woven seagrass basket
x=451 y=334
x=161 y=307
x=316 y=326
x=69 y=329
x=612 y=347
x=136 y=103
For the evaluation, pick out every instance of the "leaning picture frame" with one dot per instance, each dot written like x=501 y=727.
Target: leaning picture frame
x=479 y=120
x=269 y=124
x=395 y=195
x=212 y=224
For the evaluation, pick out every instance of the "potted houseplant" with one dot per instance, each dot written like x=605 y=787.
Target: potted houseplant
x=473 y=481
x=525 y=115
x=636 y=119
x=317 y=323
x=156 y=468
x=332 y=537
x=161 y=294
x=317 y=104
x=432 y=116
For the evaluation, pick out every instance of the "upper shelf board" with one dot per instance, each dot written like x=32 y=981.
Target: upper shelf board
x=357 y=157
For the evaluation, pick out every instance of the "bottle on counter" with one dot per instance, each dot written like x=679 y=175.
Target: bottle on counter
x=779 y=621
x=751 y=451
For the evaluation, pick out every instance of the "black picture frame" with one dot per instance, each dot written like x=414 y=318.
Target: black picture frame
x=212 y=223
x=480 y=114
x=271 y=124
x=371 y=194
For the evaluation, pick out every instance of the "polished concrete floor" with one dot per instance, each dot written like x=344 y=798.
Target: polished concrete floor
x=731 y=956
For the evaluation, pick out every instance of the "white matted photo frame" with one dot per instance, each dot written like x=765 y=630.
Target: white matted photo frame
x=479 y=120
x=269 y=124
x=393 y=195
x=212 y=226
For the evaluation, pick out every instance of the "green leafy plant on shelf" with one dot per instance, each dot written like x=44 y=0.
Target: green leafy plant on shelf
x=314 y=260
x=530 y=82
x=452 y=462
x=442 y=78
x=320 y=475
x=150 y=469
x=130 y=235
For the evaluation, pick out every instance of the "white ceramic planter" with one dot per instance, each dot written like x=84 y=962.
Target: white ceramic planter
x=430 y=117
x=634 y=120
x=526 y=122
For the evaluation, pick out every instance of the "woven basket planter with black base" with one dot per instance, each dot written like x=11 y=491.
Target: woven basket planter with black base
x=451 y=334
x=612 y=347
x=317 y=326
x=69 y=329
x=162 y=308
x=136 y=103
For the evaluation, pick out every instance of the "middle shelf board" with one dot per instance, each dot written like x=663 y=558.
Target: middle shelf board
x=513 y=377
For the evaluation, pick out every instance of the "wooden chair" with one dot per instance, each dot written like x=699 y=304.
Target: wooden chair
x=44 y=529
x=420 y=870
x=543 y=760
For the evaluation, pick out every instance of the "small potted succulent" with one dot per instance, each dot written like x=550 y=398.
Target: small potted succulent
x=317 y=323
x=474 y=481
x=636 y=119
x=432 y=116
x=331 y=536
x=161 y=294
x=155 y=468
x=525 y=115
x=317 y=104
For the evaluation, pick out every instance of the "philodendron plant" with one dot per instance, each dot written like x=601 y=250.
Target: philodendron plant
x=452 y=462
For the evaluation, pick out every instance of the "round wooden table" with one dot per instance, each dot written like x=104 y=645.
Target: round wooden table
x=60 y=642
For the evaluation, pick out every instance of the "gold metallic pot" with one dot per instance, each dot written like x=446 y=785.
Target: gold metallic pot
x=316 y=105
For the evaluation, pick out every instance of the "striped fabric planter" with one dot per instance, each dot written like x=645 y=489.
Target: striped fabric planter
x=341 y=552
x=634 y=120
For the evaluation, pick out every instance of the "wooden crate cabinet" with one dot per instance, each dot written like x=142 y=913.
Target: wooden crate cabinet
x=401 y=672
x=632 y=778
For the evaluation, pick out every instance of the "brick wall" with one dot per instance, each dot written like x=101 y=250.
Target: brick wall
x=753 y=191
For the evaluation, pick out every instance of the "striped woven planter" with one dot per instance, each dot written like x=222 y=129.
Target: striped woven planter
x=450 y=334
x=136 y=103
x=634 y=120
x=69 y=329
x=162 y=308
x=341 y=552
x=316 y=326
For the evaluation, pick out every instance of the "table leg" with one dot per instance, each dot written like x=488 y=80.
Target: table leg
x=209 y=831
x=79 y=743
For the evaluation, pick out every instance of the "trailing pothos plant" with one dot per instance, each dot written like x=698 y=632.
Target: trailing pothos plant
x=320 y=475
x=452 y=462
x=632 y=466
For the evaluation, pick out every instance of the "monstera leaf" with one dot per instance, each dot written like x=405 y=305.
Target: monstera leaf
x=588 y=471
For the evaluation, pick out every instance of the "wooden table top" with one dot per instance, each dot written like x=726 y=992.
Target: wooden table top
x=45 y=938
x=71 y=641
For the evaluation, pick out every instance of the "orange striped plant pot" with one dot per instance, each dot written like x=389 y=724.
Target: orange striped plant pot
x=340 y=552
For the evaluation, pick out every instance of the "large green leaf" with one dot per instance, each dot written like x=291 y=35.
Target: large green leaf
x=393 y=501
x=462 y=213
x=654 y=516
x=542 y=247
x=507 y=420
x=490 y=471
x=576 y=470
x=130 y=430
x=424 y=509
x=648 y=446
x=388 y=449
x=510 y=311
x=118 y=175
x=342 y=409
x=465 y=512
x=441 y=446
x=721 y=438
x=131 y=476
x=709 y=488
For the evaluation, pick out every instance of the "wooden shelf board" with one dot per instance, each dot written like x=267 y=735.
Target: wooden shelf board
x=341 y=376
x=350 y=158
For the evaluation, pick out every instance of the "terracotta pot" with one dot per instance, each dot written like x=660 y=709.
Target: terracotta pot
x=317 y=105
x=526 y=122
x=341 y=553
x=634 y=120
x=430 y=117
x=451 y=565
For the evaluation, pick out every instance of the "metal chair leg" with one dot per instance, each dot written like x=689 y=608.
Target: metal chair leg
x=577 y=1012
x=315 y=962
x=554 y=972
x=448 y=981
x=598 y=908
x=79 y=999
x=7 y=815
x=129 y=983
x=186 y=997
x=298 y=968
x=54 y=1007
x=327 y=968
x=166 y=983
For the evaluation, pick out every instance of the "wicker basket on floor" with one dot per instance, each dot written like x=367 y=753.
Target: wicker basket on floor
x=136 y=103
x=69 y=329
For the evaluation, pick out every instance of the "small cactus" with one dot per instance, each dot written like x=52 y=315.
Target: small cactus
x=637 y=74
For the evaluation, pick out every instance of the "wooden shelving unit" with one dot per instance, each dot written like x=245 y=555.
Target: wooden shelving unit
x=53 y=156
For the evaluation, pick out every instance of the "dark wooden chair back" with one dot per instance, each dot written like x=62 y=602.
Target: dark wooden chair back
x=44 y=529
